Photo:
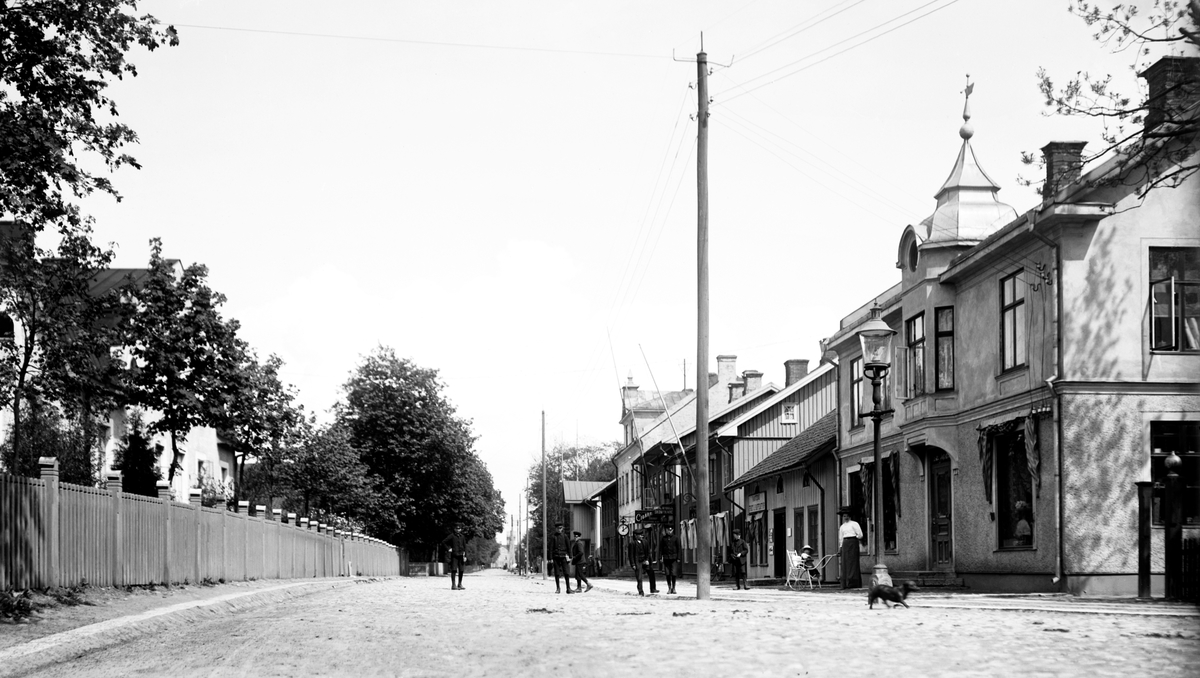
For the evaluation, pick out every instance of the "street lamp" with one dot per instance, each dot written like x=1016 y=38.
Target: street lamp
x=876 y=339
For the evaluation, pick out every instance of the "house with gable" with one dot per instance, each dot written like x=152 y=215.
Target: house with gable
x=1045 y=362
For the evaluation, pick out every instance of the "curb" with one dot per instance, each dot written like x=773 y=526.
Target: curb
x=40 y=652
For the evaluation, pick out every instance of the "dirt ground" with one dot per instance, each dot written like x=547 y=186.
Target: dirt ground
x=504 y=625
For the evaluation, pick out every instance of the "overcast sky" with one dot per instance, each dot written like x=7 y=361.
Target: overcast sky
x=496 y=188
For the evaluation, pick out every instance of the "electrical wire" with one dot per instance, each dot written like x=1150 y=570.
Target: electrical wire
x=796 y=30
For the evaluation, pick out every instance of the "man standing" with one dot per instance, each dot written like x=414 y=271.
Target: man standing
x=669 y=549
x=456 y=548
x=579 y=562
x=639 y=557
x=560 y=552
x=737 y=557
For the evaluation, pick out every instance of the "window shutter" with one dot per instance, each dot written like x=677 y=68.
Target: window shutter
x=1162 y=315
x=900 y=373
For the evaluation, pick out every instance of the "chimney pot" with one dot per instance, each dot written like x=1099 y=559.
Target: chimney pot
x=753 y=380
x=1064 y=163
x=727 y=368
x=1172 y=85
x=736 y=390
x=794 y=370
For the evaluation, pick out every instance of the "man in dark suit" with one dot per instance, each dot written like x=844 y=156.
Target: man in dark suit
x=456 y=549
x=737 y=557
x=579 y=563
x=669 y=548
x=639 y=557
x=560 y=553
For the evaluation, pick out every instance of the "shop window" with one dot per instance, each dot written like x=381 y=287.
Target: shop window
x=856 y=392
x=944 y=347
x=1014 y=489
x=1012 y=322
x=1182 y=438
x=1175 y=298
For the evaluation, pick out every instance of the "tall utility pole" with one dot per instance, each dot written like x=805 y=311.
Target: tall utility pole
x=545 y=509
x=703 y=539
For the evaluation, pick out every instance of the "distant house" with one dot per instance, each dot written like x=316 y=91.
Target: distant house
x=583 y=509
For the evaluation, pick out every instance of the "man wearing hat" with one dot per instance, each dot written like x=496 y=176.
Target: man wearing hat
x=456 y=549
x=737 y=558
x=669 y=549
x=639 y=557
x=579 y=562
x=849 y=535
x=560 y=553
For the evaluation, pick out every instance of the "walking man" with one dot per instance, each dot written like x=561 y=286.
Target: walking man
x=560 y=553
x=737 y=557
x=669 y=548
x=456 y=548
x=579 y=562
x=639 y=557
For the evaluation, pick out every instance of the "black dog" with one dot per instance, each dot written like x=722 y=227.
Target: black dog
x=892 y=593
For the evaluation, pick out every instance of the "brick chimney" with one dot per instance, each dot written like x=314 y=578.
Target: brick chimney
x=794 y=370
x=737 y=389
x=1064 y=162
x=727 y=368
x=1172 y=81
x=753 y=380
x=629 y=392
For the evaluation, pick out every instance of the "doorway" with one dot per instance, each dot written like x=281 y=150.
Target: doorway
x=941 y=503
x=779 y=542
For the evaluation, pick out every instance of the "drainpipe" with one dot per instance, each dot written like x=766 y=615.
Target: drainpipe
x=1055 y=400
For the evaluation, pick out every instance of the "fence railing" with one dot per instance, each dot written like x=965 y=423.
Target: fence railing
x=57 y=534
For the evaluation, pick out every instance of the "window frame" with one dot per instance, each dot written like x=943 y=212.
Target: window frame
x=856 y=392
x=938 y=335
x=1018 y=323
x=914 y=340
x=1177 y=287
x=1002 y=479
x=1191 y=464
x=794 y=417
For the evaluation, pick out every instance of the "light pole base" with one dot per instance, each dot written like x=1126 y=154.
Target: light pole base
x=881 y=576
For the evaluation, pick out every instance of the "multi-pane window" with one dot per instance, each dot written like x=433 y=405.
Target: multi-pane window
x=1175 y=298
x=914 y=335
x=1012 y=322
x=791 y=413
x=712 y=474
x=1014 y=489
x=856 y=392
x=1182 y=438
x=943 y=339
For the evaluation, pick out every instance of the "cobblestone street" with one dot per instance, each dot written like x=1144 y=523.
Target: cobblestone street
x=505 y=625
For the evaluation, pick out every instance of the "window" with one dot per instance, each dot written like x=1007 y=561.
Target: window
x=856 y=392
x=791 y=412
x=889 y=503
x=1175 y=298
x=8 y=331
x=914 y=336
x=1012 y=322
x=913 y=256
x=858 y=502
x=1182 y=438
x=943 y=334
x=1014 y=489
x=712 y=474
x=779 y=485
x=728 y=463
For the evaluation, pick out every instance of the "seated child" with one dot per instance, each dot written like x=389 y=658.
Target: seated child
x=806 y=557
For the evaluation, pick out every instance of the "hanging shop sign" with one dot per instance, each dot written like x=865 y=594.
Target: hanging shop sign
x=756 y=503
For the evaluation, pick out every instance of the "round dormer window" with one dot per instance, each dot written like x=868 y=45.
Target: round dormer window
x=912 y=256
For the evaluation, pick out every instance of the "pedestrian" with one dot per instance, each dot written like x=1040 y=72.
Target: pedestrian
x=669 y=549
x=579 y=562
x=850 y=535
x=560 y=553
x=456 y=545
x=737 y=557
x=639 y=557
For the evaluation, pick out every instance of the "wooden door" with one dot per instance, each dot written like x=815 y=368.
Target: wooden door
x=779 y=543
x=941 y=504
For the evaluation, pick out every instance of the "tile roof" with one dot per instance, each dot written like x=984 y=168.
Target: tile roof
x=577 y=491
x=794 y=452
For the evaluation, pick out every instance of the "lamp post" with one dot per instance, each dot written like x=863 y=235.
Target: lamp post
x=876 y=339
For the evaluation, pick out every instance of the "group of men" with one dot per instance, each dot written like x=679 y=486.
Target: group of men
x=669 y=550
x=573 y=551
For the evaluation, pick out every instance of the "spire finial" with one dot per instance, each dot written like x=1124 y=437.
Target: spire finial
x=967 y=131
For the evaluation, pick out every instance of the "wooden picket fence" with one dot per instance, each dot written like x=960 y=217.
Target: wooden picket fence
x=57 y=534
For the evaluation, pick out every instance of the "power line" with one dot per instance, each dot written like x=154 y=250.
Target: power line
x=796 y=30
x=742 y=86
x=431 y=43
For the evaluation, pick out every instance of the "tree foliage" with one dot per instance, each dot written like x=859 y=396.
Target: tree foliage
x=56 y=64
x=564 y=462
x=137 y=459
x=261 y=415
x=1163 y=155
x=408 y=435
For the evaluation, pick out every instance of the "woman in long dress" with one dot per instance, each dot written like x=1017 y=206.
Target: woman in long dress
x=850 y=533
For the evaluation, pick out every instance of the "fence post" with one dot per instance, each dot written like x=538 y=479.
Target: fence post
x=113 y=483
x=196 y=499
x=164 y=496
x=48 y=471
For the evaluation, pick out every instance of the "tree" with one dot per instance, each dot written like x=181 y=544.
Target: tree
x=58 y=59
x=261 y=415
x=137 y=459
x=563 y=462
x=61 y=350
x=482 y=551
x=1152 y=141
x=326 y=477
x=185 y=359
x=409 y=435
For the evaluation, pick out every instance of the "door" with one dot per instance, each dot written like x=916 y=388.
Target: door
x=779 y=542
x=798 y=527
x=941 y=531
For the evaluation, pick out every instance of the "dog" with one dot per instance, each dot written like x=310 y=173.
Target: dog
x=890 y=593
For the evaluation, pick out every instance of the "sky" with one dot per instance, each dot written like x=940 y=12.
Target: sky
x=506 y=191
